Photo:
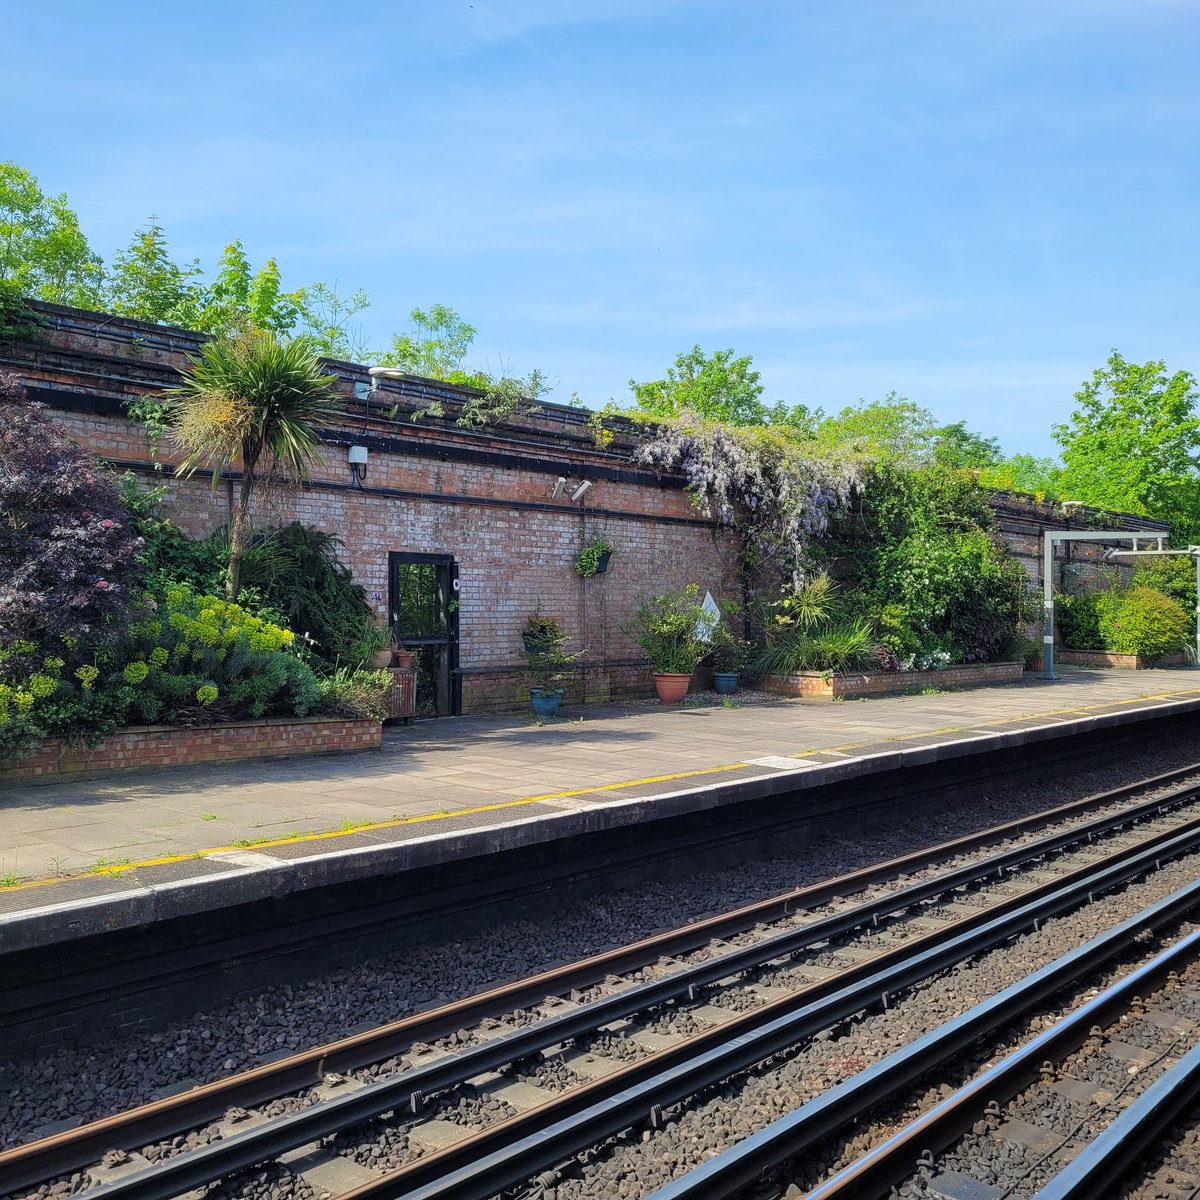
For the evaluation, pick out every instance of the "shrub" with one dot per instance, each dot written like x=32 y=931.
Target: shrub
x=1175 y=577
x=192 y=657
x=1078 y=616
x=67 y=546
x=841 y=644
x=358 y=694
x=293 y=574
x=806 y=629
x=1142 y=621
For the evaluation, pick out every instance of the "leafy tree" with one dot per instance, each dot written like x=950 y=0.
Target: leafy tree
x=957 y=447
x=241 y=298
x=67 y=546
x=324 y=320
x=1131 y=443
x=43 y=252
x=145 y=283
x=892 y=430
x=720 y=388
x=435 y=346
x=256 y=399
x=1039 y=477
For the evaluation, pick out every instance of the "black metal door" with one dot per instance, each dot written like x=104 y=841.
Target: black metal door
x=423 y=601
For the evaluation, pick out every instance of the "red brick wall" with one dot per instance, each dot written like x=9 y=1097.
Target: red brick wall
x=165 y=746
x=514 y=544
x=819 y=685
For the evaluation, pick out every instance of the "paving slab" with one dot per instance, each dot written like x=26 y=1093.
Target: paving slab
x=504 y=777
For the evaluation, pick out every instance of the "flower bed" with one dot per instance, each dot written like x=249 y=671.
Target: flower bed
x=1129 y=662
x=821 y=685
x=144 y=746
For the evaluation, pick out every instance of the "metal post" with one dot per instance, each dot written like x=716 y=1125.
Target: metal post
x=1195 y=551
x=1048 y=604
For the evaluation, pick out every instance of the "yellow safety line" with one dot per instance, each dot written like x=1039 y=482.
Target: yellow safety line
x=122 y=868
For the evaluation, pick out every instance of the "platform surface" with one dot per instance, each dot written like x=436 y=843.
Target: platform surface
x=68 y=847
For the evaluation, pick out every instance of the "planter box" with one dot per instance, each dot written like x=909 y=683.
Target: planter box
x=143 y=746
x=817 y=685
x=1129 y=662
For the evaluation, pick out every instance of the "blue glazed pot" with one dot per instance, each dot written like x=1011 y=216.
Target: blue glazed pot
x=545 y=704
x=725 y=682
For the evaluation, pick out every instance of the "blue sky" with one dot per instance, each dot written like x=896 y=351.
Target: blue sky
x=967 y=201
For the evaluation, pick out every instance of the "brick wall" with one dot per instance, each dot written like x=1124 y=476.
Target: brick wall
x=821 y=685
x=164 y=745
x=432 y=487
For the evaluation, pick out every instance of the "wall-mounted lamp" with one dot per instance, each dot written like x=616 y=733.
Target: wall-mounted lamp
x=560 y=486
x=578 y=493
x=357 y=457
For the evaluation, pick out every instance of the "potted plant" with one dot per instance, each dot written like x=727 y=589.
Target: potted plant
x=374 y=645
x=401 y=658
x=541 y=631
x=727 y=658
x=673 y=629
x=548 y=664
x=594 y=558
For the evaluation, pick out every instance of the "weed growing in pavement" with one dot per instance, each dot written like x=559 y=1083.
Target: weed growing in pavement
x=10 y=880
x=208 y=816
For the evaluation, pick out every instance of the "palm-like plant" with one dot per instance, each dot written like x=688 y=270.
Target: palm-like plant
x=256 y=398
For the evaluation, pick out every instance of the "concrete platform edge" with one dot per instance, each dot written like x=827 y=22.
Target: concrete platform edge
x=139 y=905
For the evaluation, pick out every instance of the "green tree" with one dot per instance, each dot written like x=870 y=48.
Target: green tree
x=720 y=388
x=241 y=298
x=255 y=399
x=892 y=430
x=1039 y=477
x=324 y=320
x=43 y=253
x=145 y=283
x=434 y=347
x=1131 y=444
x=957 y=447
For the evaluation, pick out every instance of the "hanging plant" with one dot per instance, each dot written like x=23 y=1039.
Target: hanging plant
x=593 y=559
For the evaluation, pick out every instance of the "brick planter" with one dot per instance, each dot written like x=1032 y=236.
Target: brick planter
x=818 y=685
x=145 y=746
x=1128 y=662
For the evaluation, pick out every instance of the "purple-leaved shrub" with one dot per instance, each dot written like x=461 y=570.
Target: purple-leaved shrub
x=68 y=549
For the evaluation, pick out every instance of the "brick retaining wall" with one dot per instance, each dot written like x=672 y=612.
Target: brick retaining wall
x=167 y=745
x=1130 y=662
x=818 y=685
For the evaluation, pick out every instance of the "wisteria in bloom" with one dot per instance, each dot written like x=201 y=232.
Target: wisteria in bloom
x=755 y=480
x=67 y=547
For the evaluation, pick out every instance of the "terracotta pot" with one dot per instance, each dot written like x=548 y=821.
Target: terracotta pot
x=381 y=659
x=404 y=658
x=671 y=688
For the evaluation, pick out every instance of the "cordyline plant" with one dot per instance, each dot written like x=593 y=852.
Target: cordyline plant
x=257 y=400
x=68 y=548
x=756 y=480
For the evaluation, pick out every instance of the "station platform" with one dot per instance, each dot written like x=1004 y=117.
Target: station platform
x=83 y=857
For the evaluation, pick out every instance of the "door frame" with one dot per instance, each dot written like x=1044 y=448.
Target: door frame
x=398 y=558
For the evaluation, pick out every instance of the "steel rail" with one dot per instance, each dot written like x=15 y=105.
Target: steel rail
x=1109 y=1156
x=33 y=1162
x=511 y=1152
x=406 y=1089
x=891 y=1161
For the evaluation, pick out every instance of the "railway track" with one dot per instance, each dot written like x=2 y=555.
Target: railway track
x=731 y=992
x=1066 y=1133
